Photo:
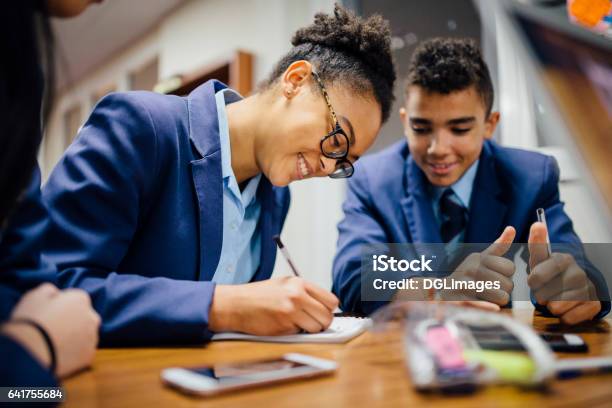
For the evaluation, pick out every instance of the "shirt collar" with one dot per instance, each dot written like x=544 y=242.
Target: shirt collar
x=462 y=187
x=225 y=97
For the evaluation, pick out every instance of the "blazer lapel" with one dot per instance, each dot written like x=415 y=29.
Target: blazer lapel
x=206 y=173
x=487 y=209
x=418 y=211
x=417 y=208
x=270 y=225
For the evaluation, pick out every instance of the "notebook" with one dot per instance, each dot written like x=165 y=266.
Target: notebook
x=341 y=330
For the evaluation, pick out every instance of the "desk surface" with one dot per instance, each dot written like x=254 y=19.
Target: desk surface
x=371 y=373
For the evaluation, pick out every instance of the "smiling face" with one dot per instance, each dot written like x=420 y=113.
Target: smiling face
x=303 y=119
x=446 y=132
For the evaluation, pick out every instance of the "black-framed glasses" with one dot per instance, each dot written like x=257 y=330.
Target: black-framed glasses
x=335 y=144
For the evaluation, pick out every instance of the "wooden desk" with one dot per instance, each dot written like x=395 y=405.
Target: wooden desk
x=371 y=374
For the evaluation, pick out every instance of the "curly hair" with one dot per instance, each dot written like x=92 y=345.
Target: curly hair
x=446 y=65
x=346 y=50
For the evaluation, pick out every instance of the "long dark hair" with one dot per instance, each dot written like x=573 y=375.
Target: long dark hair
x=26 y=44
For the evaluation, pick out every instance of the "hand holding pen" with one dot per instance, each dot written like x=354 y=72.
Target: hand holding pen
x=557 y=281
x=272 y=307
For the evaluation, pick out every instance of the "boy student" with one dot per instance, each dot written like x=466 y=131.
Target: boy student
x=448 y=182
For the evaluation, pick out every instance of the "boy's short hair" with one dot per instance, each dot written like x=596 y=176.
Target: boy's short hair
x=445 y=65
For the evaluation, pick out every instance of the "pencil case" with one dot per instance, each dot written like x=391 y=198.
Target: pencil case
x=442 y=354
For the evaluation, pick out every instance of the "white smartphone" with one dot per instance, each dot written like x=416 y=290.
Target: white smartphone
x=212 y=380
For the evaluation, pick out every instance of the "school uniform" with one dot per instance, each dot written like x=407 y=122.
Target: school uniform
x=390 y=200
x=22 y=269
x=145 y=215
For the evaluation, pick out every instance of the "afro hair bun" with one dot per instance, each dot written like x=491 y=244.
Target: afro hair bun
x=348 y=51
x=367 y=39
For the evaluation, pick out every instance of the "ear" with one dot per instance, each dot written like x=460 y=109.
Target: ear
x=491 y=124
x=404 y=117
x=295 y=77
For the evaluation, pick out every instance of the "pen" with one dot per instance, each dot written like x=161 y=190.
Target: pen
x=575 y=367
x=542 y=218
x=285 y=253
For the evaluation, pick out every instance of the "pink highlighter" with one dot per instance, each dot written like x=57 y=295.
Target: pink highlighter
x=445 y=348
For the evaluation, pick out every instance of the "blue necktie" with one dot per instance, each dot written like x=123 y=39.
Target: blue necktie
x=453 y=216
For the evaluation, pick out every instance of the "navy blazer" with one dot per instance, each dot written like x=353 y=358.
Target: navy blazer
x=387 y=202
x=136 y=215
x=21 y=269
x=20 y=369
x=21 y=266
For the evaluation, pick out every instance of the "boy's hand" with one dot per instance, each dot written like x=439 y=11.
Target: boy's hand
x=488 y=266
x=558 y=282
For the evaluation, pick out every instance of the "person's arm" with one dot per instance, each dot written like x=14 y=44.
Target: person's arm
x=21 y=265
x=19 y=367
x=359 y=227
x=58 y=329
x=96 y=196
x=561 y=231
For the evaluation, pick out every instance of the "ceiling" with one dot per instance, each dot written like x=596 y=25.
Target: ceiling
x=89 y=39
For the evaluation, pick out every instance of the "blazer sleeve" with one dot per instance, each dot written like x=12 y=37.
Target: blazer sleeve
x=21 y=265
x=96 y=196
x=359 y=227
x=20 y=369
x=561 y=231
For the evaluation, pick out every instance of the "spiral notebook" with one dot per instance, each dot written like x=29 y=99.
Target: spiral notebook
x=341 y=330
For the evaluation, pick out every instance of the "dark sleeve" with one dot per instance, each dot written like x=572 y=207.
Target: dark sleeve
x=359 y=227
x=96 y=197
x=561 y=232
x=20 y=369
x=21 y=265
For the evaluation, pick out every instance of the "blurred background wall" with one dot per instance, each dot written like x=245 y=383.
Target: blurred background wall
x=172 y=45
